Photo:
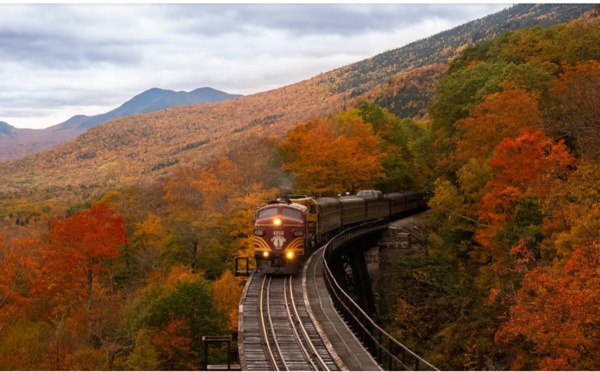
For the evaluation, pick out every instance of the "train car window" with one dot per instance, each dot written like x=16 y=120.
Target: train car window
x=291 y=213
x=267 y=212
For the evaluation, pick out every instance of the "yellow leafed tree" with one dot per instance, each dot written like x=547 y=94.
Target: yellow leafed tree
x=228 y=291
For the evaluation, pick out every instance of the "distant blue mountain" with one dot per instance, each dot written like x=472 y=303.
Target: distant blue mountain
x=151 y=100
x=6 y=129
x=17 y=142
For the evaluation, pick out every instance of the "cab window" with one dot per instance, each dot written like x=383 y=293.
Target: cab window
x=291 y=213
x=267 y=212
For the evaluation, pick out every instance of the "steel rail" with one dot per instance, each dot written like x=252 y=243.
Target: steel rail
x=291 y=310
x=314 y=354
x=263 y=317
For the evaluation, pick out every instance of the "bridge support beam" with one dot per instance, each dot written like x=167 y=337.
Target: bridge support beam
x=352 y=275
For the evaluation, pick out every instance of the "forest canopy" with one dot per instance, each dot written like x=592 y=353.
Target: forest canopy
x=507 y=277
x=516 y=180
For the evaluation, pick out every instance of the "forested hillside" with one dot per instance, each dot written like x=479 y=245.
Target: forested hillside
x=116 y=250
x=360 y=77
x=145 y=147
x=17 y=143
x=509 y=278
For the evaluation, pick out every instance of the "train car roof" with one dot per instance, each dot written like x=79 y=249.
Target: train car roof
x=394 y=195
x=299 y=207
x=370 y=194
x=328 y=200
x=351 y=199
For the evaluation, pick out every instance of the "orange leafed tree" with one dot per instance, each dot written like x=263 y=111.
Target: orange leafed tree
x=559 y=313
x=333 y=156
x=76 y=261
x=501 y=115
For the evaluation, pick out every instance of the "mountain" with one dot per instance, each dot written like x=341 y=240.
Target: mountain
x=6 y=129
x=154 y=99
x=143 y=148
x=21 y=142
x=438 y=49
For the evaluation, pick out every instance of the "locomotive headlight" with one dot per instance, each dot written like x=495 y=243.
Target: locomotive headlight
x=266 y=254
x=289 y=255
x=277 y=222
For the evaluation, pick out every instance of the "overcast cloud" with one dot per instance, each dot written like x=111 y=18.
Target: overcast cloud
x=57 y=61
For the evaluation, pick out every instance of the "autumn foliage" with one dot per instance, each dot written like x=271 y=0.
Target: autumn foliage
x=132 y=268
x=573 y=110
x=501 y=115
x=332 y=156
x=526 y=165
x=558 y=312
x=516 y=203
x=17 y=270
x=361 y=148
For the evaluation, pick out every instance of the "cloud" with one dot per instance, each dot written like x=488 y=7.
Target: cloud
x=73 y=59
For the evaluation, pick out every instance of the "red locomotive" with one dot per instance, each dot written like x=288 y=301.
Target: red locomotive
x=287 y=230
x=280 y=229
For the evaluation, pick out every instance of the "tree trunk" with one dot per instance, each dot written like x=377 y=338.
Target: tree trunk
x=90 y=278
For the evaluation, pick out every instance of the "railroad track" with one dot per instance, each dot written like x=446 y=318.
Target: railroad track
x=275 y=309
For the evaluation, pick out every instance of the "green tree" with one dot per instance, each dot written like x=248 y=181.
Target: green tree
x=177 y=311
x=192 y=303
x=457 y=93
x=401 y=141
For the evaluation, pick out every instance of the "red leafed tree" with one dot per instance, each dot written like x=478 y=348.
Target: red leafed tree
x=526 y=169
x=559 y=313
x=528 y=164
x=531 y=158
x=76 y=260
x=16 y=268
x=573 y=109
x=175 y=345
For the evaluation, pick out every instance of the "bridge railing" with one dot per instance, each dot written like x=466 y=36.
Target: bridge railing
x=389 y=352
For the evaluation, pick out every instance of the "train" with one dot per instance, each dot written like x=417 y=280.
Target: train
x=288 y=229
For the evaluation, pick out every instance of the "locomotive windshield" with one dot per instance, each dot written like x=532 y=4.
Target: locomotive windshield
x=291 y=213
x=267 y=212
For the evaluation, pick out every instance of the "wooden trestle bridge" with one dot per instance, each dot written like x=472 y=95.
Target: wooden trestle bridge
x=307 y=321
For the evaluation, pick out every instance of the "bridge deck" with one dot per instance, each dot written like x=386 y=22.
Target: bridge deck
x=342 y=344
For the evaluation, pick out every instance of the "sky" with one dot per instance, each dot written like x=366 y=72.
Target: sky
x=61 y=60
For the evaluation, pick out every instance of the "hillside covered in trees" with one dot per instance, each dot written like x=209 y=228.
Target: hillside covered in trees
x=510 y=276
x=99 y=271
x=143 y=148
x=17 y=143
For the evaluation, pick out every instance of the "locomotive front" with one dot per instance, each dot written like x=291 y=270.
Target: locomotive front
x=279 y=233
